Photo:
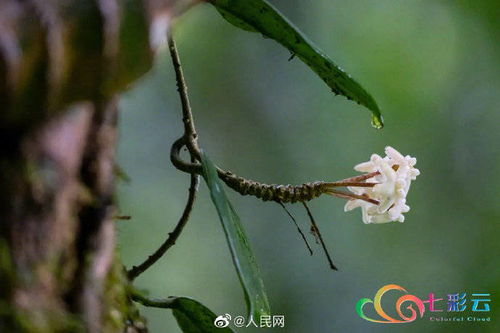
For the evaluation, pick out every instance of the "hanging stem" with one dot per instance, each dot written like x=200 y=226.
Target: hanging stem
x=298 y=228
x=315 y=228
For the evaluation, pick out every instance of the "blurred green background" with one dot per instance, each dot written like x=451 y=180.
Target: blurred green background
x=433 y=67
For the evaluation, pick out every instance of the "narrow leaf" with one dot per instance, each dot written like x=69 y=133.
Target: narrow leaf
x=243 y=258
x=194 y=317
x=234 y=20
x=259 y=15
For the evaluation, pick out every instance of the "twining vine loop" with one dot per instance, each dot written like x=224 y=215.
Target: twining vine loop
x=265 y=192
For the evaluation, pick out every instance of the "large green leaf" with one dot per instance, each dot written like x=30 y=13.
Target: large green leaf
x=259 y=15
x=194 y=317
x=243 y=258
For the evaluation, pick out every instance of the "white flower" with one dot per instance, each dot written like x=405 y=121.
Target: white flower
x=393 y=175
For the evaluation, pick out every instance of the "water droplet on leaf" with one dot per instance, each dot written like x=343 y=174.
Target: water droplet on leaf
x=377 y=121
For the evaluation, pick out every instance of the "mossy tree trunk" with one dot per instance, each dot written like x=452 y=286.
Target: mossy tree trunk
x=62 y=63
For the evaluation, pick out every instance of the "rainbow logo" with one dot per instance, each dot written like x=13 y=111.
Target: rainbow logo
x=399 y=304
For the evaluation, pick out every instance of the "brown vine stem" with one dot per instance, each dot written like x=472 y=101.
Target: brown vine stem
x=135 y=271
x=315 y=229
x=190 y=140
x=187 y=116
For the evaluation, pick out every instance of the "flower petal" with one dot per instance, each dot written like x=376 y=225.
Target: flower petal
x=391 y=189
x=365 y=167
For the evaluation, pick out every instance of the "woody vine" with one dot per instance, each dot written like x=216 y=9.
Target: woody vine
x=380 y=191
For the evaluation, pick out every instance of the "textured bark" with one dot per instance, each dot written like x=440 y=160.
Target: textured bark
x=61 y=65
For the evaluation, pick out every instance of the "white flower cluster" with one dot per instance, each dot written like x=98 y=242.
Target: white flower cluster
x=395 y=173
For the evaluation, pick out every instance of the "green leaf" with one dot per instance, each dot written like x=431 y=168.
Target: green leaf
x=243 y=258
x=194 y=317
x=259 y=15
x=234 y=20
